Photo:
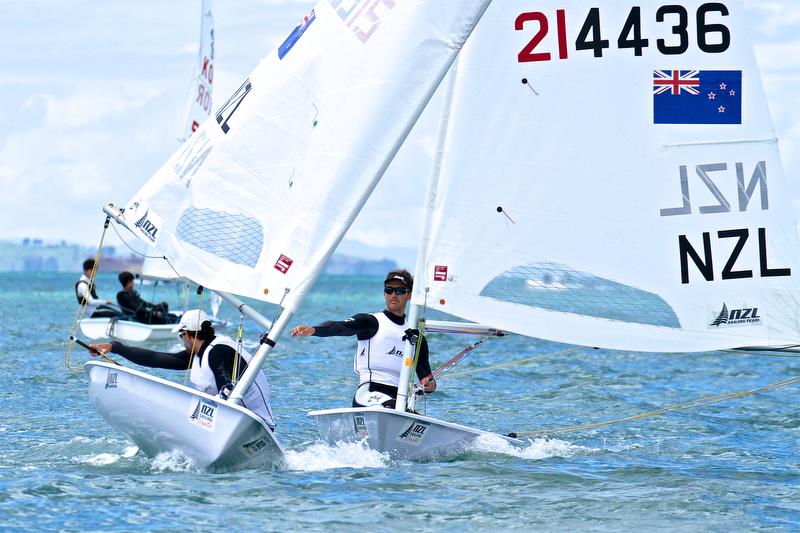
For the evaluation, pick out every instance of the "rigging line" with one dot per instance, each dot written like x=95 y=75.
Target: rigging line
x=82 y=306
x=453 y=361
x=512 y=363
x=137 y=252
x=675 y=407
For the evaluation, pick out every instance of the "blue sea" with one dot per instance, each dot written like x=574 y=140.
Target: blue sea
x=728 y=466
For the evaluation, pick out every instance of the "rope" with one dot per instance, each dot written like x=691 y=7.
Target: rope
x=239 y=341
x=675 y=407
x=137 y=252
x=512 y=363
x=82 y=307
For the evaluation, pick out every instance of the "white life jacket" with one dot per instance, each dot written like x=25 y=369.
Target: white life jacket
x=380 y=358
x=256 y=398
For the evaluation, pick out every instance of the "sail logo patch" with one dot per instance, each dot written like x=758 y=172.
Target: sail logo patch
x=360 y=427
x=111 y=380
x=204 y=414
x=744 y=316
x=298 y=32
x=283 y=264
x=697 y=96
x=414 y=433
x=440 y=273
x=148 y=225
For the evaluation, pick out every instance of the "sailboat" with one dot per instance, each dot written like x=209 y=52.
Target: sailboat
x=257 y=200
x=155 y=269
x=608 y=176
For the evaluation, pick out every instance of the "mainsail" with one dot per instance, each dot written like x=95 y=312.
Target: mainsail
x=256 y=201
x=200 y=93
x=198 y=110
x=611 y=178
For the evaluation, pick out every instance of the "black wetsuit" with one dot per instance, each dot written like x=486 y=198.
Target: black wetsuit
x=144 y=311
x=220 y=360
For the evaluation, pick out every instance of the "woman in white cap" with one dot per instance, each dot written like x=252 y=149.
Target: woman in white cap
x=209 y=356
x=381 y=341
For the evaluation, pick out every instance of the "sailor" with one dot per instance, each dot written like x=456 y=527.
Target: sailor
x=141 y=310
x=95 y=307
x=211 y=358
x=381 y=341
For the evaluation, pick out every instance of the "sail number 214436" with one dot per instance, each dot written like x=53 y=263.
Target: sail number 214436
x=713 y=37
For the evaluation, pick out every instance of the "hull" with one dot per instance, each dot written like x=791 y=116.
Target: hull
x=125 y=330
x=129 y=331
x=401 y=435
x=161 y=416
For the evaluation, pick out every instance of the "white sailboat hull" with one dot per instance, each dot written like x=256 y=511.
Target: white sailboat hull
x=161 y=416
x=125 y=330
x=129 y=330
x=401 y=435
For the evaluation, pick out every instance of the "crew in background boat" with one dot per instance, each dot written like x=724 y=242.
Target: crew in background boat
x=141 y=310
x=211 y=358
x=95 y=306
x=381 y=341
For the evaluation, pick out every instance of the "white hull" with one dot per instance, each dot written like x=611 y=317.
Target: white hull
x=401 y=435
x=162 y=416
x=125 y=330
x=128 y=330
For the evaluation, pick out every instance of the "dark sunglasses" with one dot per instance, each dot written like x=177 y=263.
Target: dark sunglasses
x=400 y=291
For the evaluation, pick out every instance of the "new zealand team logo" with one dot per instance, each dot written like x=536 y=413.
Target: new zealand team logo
x=743 y=316
x=360 y=426
x=204 y=414
x=148 y=226
x=414 y=433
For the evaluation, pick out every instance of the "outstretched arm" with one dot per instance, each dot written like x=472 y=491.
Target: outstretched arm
x=362 y=324
x=143 y=356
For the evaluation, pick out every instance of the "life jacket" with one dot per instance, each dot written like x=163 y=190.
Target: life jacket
x=93 y=292
x=256 y=398
x=380 y=358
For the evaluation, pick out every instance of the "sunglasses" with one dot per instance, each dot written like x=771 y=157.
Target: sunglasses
x=400 y=291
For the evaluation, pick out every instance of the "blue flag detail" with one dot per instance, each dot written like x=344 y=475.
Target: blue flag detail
x=697 y=96
x=298 y=32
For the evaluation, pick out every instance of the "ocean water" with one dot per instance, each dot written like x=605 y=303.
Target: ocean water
x=729 y=466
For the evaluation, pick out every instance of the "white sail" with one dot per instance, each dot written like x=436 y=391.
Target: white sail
x=255 y=202
x=585 y=198
x=200 y=94
x=198 y=110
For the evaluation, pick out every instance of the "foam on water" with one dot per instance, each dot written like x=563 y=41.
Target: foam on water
x=541 y=448
x=173 y=461
x=321 y=456
x=106 y=458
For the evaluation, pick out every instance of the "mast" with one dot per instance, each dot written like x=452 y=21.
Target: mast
x=420 y=278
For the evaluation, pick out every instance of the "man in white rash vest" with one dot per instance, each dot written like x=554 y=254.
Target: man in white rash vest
x=95 y=306
x=212 y=360
x=381 y=341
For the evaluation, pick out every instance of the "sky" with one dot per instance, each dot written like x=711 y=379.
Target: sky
x=93 y=92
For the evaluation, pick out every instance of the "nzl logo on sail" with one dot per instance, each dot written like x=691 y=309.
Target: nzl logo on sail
x=744 y=316
x=148 y=226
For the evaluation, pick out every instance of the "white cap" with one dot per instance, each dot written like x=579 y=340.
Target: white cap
x=191 y=321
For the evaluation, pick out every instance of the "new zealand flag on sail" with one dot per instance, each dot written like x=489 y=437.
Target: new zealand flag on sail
x=697 y=96
x=298 y=32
